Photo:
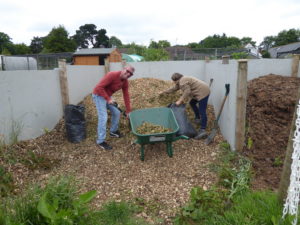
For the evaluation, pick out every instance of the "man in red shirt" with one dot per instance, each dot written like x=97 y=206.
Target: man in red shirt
x=102 y=96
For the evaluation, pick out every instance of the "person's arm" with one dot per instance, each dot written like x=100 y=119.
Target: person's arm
x=126 y=97
x=186 y=91
x=170 y=90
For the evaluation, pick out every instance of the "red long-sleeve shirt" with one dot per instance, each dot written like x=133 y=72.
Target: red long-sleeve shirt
x=109 y=84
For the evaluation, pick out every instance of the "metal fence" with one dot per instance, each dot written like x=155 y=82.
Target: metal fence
x=201 y=54
x=50 y=61
x=34 y=61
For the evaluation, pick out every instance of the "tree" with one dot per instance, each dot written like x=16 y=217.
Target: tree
x=114 y=41
x=155 y=54
x=21 y=49
x=58 y=41
x=85 y=36
x=101 y=39
x=37 y=44
x=267 y=43
x=135 y=49
x=193 y=45
x=246 y=40
x=217 y=41
x=5 y=40
x=283 y=38
x=159 y=44
x=153 y=44
x=286 y=37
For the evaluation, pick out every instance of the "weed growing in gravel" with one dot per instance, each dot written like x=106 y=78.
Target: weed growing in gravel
x=6 y=182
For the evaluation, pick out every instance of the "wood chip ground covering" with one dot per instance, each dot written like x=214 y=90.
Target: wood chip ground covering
x=120 y=174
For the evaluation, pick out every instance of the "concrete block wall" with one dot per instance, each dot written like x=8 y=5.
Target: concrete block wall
x=81 y=81
x=29 y=100
x=164 y=69
x=223 y=74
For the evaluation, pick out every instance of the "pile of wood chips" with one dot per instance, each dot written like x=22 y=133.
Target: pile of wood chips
x=119 y=174
x=150 y=128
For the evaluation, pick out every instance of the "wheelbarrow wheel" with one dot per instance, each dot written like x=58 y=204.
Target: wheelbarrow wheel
x=169 y=149
x=142 y=153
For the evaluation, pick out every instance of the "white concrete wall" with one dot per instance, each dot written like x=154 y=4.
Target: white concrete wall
x=30 y=100
x=262 y=67
x=82 y=80
x=223 y=74
x=164 y=69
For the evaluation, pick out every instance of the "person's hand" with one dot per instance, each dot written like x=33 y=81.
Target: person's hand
x=111 y=102
x=160 y=93
x=178 y=103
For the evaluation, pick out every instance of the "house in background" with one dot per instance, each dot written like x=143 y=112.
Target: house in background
x=96 y=56
x=252 y=51
x=284 y=51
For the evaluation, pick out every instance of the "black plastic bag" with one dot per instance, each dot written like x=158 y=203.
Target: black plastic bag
x=75 y=123
x=185 y=127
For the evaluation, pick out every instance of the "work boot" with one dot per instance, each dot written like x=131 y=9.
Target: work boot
x=202 y=134
x=105 y=146
x=116 y=134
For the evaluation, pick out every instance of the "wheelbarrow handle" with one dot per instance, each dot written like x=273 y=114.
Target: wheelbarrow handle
x=181 y=137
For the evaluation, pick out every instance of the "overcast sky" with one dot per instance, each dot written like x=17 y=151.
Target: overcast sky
x=139 y=21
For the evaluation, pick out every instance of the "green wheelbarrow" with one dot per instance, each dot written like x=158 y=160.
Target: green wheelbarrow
x=162 y=116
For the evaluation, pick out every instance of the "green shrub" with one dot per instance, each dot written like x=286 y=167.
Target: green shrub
x=202 y=206
x=6 y=182
x=56 y=203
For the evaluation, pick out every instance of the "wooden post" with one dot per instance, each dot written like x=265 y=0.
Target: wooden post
x=241 y=103
x=63 y=82
x=225 y=59
x=295 y=65
x=286 y=171
x=106 y=65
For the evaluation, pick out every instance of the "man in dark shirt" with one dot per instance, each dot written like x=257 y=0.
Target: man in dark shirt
x=102 y=96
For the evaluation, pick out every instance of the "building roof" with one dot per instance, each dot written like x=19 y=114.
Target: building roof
x=289 y=48
x=94 y=51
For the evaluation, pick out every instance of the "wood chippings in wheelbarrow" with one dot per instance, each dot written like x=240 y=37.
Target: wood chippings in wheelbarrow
x=150 y=128
x=160 y=184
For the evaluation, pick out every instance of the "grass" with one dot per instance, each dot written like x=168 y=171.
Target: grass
x=231 y=202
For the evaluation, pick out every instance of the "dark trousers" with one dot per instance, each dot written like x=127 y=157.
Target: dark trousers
x=200 y=110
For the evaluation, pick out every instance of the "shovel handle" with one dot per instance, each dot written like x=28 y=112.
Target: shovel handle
x=227 y=86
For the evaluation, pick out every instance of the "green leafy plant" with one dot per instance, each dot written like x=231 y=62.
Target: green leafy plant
x=6 y=182
x=249 y=143
x=203 y=205
x=34 y=160
x=58 y=203
x=225 y=146
x=60 y=215
x=277 y=162
x=239 y=55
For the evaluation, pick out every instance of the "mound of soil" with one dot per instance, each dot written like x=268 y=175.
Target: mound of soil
x=270 y=106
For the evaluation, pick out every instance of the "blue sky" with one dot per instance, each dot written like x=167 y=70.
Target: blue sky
x=140 y=21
